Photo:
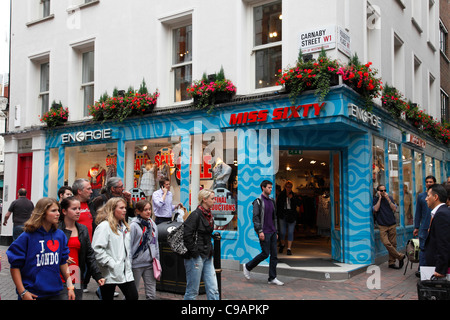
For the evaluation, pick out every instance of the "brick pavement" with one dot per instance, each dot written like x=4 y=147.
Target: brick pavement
x=393 y=285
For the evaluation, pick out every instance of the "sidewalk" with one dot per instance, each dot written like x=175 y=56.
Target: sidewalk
x=387 y=284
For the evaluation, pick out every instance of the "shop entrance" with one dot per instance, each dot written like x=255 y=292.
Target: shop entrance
x=313 y=209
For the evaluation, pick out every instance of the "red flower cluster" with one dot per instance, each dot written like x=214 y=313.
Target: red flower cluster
x=56 y=116
x=119 y=108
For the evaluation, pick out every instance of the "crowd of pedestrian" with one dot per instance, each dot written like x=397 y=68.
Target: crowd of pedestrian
x=59 y=245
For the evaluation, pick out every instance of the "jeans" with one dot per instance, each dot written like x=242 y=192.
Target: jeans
x=268 y=248
x=197 y=268
x=17 y=231
x=290 y=226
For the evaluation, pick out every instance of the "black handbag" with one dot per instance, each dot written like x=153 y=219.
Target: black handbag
x=433 y=289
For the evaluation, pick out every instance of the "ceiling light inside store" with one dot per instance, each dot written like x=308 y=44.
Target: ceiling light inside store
x=313 y=161
x=301 y=159
x=323 y=164
x=288 y=168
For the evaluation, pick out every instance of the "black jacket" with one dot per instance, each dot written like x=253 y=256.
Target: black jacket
x=197 y=225
x=437 y=245
x=258 y=214
x=86 y=254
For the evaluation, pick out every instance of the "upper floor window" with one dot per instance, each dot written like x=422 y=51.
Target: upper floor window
x=182 y=62
x=45 y=87
x=87 y=84
x=45 y=8
x=267 y=46
x=443 y=36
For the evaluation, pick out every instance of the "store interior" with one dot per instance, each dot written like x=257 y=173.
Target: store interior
x=309 y=172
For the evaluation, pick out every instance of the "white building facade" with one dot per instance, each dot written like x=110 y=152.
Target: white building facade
x=74 y=51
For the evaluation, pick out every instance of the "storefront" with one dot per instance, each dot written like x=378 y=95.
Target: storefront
x=333 y=151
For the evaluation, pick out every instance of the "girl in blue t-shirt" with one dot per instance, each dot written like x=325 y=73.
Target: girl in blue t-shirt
x=39 y=256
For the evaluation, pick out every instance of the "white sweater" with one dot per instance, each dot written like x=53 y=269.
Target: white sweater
x=112 y=252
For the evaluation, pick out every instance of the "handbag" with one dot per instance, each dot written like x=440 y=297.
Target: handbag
x=156 y=269
x=434 y=289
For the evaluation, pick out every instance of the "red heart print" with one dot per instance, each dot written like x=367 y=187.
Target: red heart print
x=53 y=245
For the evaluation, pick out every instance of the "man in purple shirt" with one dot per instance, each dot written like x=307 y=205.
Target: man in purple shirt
x=265 y=224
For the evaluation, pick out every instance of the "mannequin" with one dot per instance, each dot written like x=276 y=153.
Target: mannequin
x=147 y=178
x=221 y=174
x=97 y=179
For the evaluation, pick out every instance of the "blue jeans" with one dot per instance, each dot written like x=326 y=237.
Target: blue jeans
x=17 y=231
x=268 y=248
x=196 y=268
x=290 y=226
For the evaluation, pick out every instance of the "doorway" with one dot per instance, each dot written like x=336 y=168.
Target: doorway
x=311 y=174
x=24 y=173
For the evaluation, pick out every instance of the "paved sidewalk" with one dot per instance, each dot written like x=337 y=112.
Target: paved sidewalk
x=381 y=283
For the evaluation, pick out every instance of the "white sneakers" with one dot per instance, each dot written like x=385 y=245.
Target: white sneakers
x=276 y=281
x=247 y=276
x=246 y=272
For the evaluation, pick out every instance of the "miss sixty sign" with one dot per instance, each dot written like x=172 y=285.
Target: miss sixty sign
x=283 y=113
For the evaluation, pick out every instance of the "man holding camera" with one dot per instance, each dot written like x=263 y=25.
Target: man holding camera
x=384 y=209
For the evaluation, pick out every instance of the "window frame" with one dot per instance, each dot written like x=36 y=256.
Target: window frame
x=175 y=66
x=257 y=48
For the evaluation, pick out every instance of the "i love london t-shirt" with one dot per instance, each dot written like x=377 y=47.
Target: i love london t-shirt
x=86 y=218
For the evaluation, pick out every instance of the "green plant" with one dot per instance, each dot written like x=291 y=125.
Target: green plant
x=121 y=106
x=205 y=92
x=363 y=79
x=317 y=75
x=393 y=101
x=56 y=116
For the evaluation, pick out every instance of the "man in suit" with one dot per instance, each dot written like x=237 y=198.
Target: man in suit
x=437 y=245
x=422 y=219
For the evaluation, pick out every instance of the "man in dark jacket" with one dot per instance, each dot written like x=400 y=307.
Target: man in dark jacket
x=437 y=245
x=265 y=224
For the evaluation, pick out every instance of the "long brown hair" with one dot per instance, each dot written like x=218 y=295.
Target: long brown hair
x=38 y=215
x=106 y=213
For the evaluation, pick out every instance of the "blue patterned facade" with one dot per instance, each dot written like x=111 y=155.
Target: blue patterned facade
x=332 y=129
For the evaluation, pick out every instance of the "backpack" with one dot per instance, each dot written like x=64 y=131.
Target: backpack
x=175 y=239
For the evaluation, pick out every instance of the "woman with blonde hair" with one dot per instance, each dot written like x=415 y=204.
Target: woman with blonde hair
x=198 y=261
x=111 y=244
x=39 y=256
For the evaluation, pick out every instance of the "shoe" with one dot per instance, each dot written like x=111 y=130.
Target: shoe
x=289 y=252
x=246 y=272
x=281 y=249
x=401 y=262
x=418 y=274
x=393 y=266
x=276 y=281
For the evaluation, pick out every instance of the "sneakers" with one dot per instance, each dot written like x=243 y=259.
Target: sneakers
x=276 y=281
x=246 y=272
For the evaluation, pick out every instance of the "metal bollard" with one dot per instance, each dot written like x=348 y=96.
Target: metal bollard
x=217 y=262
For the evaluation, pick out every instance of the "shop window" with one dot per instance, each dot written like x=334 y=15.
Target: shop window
x=267 y=44
x=159 y=158
x=394 y=177
x=429 y=165
x=408 y=204
x=378 y=163
x=418 y=172
x=437 y=170
x=97 y=163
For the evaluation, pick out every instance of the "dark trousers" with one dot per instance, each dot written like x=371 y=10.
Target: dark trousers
x=128 y=289
x=268 y=248
x=159 y=220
